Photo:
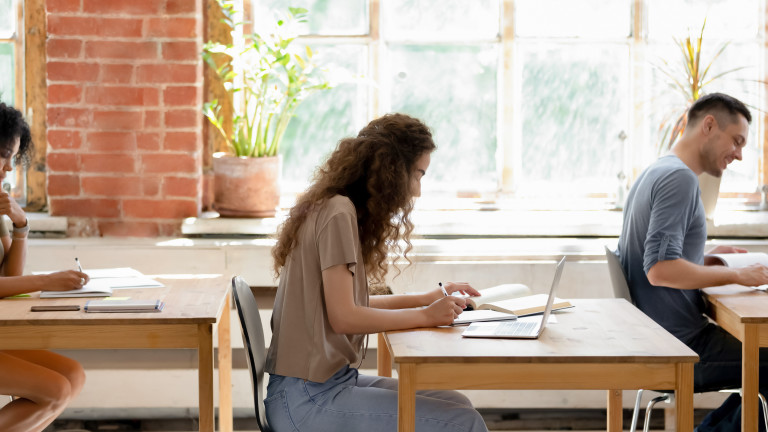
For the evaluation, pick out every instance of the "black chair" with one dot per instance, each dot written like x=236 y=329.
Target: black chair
x=621 y=290
x=253 y=341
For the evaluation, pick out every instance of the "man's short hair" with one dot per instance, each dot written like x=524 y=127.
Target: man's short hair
x=724 y=108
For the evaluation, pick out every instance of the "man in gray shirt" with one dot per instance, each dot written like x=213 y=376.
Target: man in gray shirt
x=661 y=248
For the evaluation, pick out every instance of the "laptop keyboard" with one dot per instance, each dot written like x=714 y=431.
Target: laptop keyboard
x=516 y=328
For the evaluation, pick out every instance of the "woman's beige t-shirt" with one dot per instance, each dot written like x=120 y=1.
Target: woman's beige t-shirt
x=303 y=343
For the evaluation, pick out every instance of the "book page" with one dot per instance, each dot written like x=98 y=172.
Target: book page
x=737 y=260
x=121 y=272
x=132 y=282
x=528 y=305
x=500 y=292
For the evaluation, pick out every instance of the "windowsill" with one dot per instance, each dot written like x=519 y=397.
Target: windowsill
x=44 y=225
x=496 y=223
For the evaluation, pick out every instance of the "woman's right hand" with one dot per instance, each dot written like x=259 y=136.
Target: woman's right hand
x=65 y=280
x=444 y=310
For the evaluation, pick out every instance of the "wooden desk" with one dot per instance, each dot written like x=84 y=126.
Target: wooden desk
x=600 y=344
x=192 y=307
x=743 y=312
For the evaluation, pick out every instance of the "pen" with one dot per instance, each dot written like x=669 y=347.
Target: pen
x=79 y=267
x=445 y=293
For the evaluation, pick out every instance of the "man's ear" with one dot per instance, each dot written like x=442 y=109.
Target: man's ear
x=708 y=124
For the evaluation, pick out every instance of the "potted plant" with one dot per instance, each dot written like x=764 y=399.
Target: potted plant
x=690 y=83
x=267 y=76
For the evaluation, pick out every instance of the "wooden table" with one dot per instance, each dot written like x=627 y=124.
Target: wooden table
x=743 y=312
x=600 y=344
x=193 y=306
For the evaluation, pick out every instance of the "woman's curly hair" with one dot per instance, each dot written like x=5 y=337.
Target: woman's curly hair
x=374 y=171
x=13 y=125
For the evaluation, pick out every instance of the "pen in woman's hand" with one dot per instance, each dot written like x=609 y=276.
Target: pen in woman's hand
x=79 y=267
x=445 y=293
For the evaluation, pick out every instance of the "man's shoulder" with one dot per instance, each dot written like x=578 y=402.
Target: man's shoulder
x=670 y=169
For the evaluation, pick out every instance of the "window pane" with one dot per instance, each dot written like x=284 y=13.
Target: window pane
x=453 y=90
x=7 y=75
x=325 y=117
x=733 y=19
x=7 y=19
x=574 y=110
x=568 y=18
x=744 y=84
x=440 y=19
x=326 y=17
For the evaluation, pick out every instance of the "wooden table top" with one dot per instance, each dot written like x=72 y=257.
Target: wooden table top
x=189 y=299
x=595 y=331
x=748 y=305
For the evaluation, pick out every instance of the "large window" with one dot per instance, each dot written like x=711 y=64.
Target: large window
x=8 y=50
x=534 y=100
x=11 y=76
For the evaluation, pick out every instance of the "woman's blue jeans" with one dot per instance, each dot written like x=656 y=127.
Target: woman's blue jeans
x=351 y=402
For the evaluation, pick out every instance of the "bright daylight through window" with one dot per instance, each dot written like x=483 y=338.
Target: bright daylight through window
x=529 y=100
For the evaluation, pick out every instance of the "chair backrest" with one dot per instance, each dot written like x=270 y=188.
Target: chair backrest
x=618 y=279
x=253 y=340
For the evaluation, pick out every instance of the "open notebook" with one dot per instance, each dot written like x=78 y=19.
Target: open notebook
x=523 y=328
x=103 y=281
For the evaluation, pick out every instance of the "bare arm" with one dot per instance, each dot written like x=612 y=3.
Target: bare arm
x=15 y=247
x=683 y=274
x=401 y=301
x=58 y=281
x=15 y=255
x=348 y=318
x=415 y=300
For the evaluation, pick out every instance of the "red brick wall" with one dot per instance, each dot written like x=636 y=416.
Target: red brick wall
x=124 y=143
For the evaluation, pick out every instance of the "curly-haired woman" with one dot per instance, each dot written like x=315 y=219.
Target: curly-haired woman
x=42 y=382
x=336 y=239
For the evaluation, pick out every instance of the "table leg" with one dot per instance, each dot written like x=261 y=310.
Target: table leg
x=406 y=399
x=684 y=397
x=205 y=376
x=750 y=361
x=383 y=358
x=615 y=411
x=225 y=371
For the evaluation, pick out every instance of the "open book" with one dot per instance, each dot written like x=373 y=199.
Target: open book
x=737 y=260
x=528 y=305
x=511 y=299
x=495 y=294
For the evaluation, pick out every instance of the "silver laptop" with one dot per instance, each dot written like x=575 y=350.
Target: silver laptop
x=523 y=328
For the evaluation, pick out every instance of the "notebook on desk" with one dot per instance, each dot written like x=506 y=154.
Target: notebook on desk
x=522 y=328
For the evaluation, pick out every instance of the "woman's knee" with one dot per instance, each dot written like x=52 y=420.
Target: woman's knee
x=75 y=374
x=55 y=395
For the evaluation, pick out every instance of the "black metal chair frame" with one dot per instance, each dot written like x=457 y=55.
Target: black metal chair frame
x=253 y=341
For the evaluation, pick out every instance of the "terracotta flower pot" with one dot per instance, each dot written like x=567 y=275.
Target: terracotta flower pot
x=246 y=187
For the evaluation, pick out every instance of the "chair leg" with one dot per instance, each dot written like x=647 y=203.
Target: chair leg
x=649 y=408
x=636 y=411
